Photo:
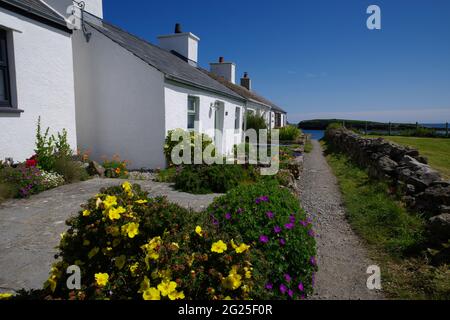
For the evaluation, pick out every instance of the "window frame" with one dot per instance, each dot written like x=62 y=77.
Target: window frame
x=5 y=67
x=195 y=112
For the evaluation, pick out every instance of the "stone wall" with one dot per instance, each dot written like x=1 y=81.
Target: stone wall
x=422 y=188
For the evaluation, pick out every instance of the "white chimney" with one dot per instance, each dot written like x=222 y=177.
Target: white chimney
x=224 y=69
x=184 y=44
x=94 y=7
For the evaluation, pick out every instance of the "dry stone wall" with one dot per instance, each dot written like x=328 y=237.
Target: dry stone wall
x=422 y=187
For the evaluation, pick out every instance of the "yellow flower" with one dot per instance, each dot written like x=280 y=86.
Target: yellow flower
x=133 y=268
x=86 y=213
x=131 y=229
x=126 y=186
x=115 y=214
x=219 y=247
x=5 y=296
x=242 y=248
x=110 y=202
x=175 y=295
x=151 y=294
x=141 y=201
x=120 y=262
x=101 y=279
x=232 y=282
x=248 y=273
x=167 y=287
x=199 y=231
x=227 y=298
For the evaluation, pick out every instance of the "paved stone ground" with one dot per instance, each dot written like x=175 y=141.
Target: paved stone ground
x=342 y=257
x=30 y=229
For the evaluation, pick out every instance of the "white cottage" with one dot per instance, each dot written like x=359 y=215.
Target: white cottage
x=36 y=76
x=128 y=92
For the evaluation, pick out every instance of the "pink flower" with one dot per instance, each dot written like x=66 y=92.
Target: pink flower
x=277 y=229
x=228 y=216
x=282 y=242
x=264 y=239
x=291 y=293
x=301 y=287
x=287 y=277
x=283 y=289
x=289 y=226
x=270 y=215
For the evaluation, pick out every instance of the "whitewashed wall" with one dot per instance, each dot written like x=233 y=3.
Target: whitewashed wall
x=94 y=7
x=176 y=100
x=120 y=104
x=43 y=84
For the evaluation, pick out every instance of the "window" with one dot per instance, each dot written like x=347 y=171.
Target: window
x=278 y=120
x=237 y=119
x=5 y=97
x=193 y=112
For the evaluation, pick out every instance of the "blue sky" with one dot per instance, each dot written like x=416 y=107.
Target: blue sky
x=316 y=58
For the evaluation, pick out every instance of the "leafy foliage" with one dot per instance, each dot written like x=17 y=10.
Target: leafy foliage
x=290 y=133
x=256 y=122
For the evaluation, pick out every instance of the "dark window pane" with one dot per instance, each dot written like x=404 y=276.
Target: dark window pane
x=191 y=121
x=3 y=93
x=2 y=52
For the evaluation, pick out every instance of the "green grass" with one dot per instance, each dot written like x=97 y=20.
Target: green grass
x=309 y=146
x=394 y=236
x=437 y=150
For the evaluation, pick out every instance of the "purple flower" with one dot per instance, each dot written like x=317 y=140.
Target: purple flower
x=287 y=277
x=283 y=289
x=289 y=226
x=214 y=220
x=301 y=287
x=304 y=223
x=240 y=210
x=270 y=215
x=282 y=242
x=277 y=229
x=262 y=199
x=228 y=216
x=292 y=219
x=311 y=233
x=291 y=293
x=313 y=261
x=269 y=286
x=264 y=239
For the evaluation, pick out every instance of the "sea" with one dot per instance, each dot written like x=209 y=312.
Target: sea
x=319 y=134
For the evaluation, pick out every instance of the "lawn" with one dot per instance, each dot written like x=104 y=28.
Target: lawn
x=437 y=150
x=393 y=234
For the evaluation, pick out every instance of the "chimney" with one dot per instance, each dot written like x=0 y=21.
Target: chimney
x=184 y=44
x=224 y=69
x=246 y=82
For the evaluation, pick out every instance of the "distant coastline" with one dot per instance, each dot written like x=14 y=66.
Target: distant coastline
x=322 y=124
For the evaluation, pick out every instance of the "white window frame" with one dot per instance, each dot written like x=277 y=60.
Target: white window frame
x=195 y=112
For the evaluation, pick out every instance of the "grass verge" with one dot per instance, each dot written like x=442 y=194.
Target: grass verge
x=394 y=236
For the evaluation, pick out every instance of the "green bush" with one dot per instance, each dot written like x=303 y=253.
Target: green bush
x=26 y=180
x=8 y=191
x=203 y=179
x=129 y=246
x=256 y=122
x=290 y=133
x=269 y=217
x=166 y=175
x=115 y=168
x=169 y=145
x=70 y=170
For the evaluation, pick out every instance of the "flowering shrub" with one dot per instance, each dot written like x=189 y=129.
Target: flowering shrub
x=170 y=145
x=115 y=168
x=269 y=217
x=26 y=180
x=203 y=179
x=129 y=246
x=52 y=180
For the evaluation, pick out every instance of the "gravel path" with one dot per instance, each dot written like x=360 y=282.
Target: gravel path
x=30 y=228
x=342 y=258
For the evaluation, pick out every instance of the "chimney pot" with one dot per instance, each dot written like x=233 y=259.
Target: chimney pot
x=178 y=28
x=246 y=82
x=221 y=59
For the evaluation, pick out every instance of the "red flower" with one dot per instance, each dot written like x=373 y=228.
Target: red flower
x=32 y=162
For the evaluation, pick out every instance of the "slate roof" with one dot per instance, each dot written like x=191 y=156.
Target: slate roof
x=173 y=67
x=37 y=9
x=244 y=92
